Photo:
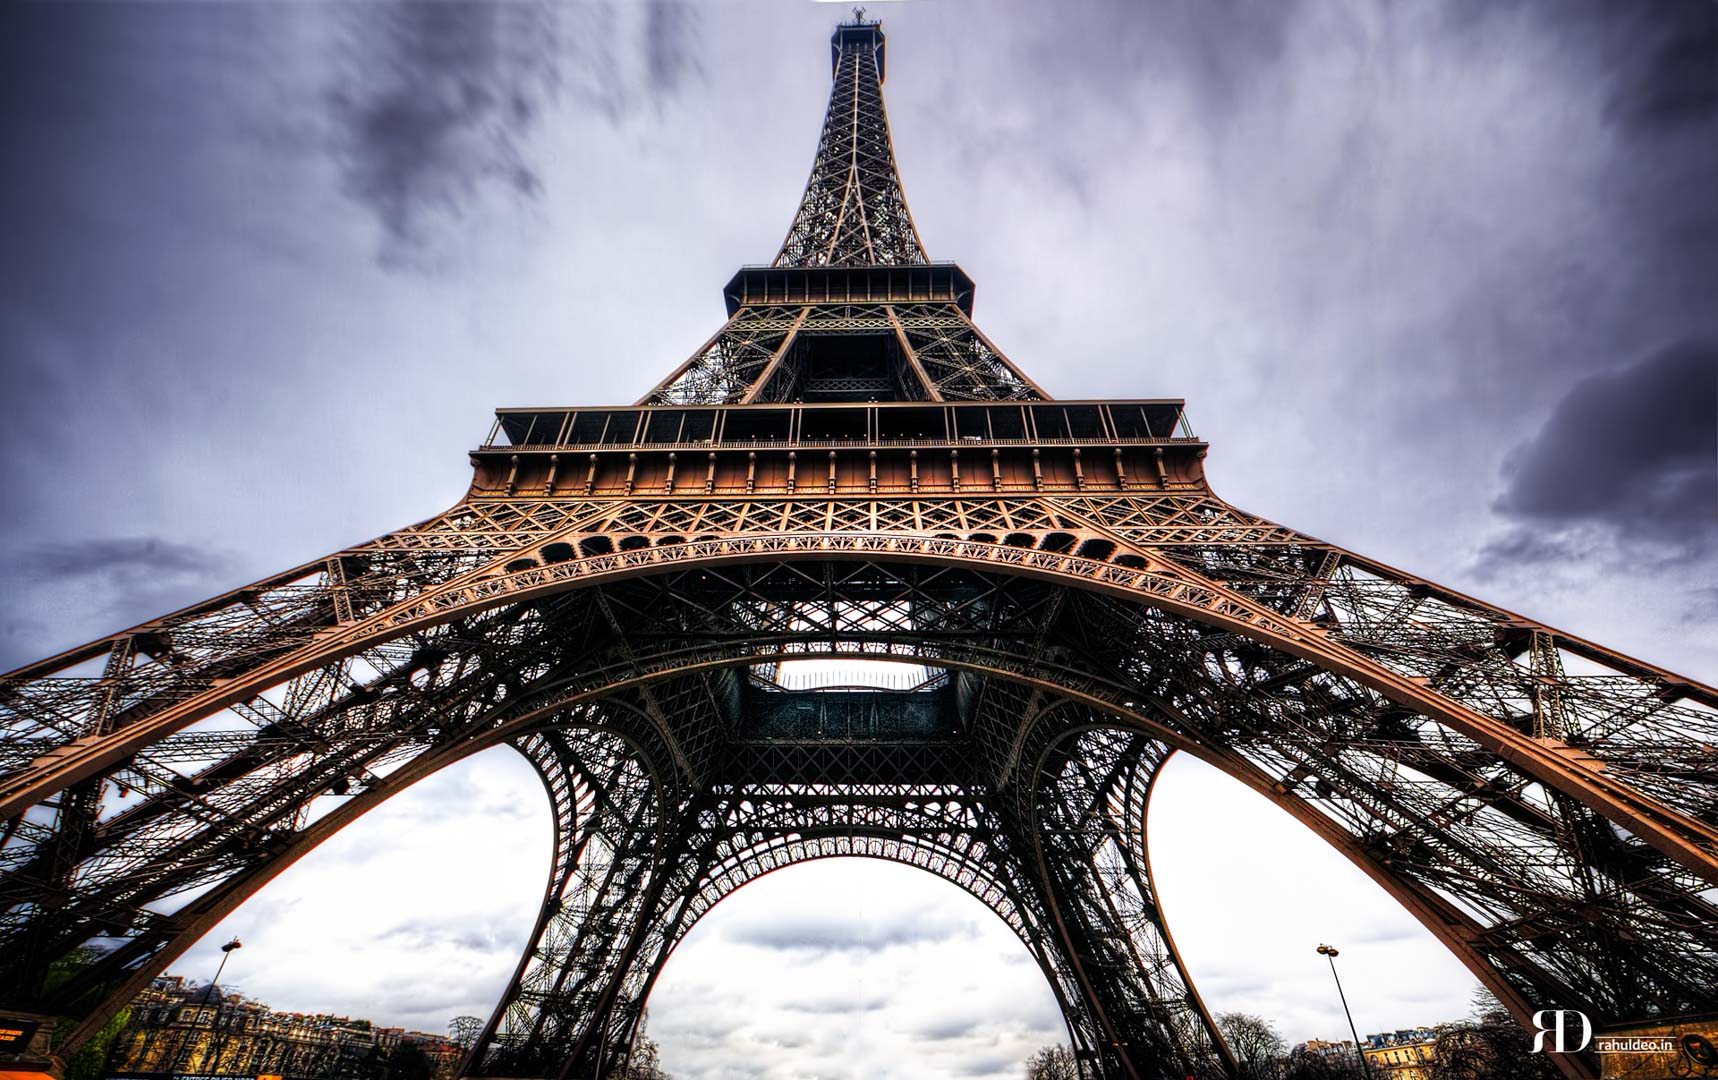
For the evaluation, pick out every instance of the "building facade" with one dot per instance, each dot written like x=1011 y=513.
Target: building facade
x=1402 y=1055
x=179 y=1028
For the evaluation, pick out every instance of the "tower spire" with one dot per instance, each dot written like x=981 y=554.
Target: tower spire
x=851 y=309
x=853 y=212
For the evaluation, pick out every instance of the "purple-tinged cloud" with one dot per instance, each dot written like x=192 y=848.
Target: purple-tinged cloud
x=1632 y=452
x=1670 y=82
x=119 y=555
x=435 y=105
x=432 y=108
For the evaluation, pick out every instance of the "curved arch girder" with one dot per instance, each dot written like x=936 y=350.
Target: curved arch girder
x=609 y=830
x=736 y=835
x=1090 y=834
x=1162 y=583
x=1417 y=795
x=1084 y=618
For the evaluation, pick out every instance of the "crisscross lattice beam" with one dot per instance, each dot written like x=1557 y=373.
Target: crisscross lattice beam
x=854 y=212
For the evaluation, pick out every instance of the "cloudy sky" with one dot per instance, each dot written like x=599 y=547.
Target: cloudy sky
x=1436 y=279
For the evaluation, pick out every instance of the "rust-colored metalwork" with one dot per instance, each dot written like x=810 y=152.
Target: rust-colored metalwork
x=849 y=470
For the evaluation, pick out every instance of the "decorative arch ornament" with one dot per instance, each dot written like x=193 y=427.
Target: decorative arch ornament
x=617 y=589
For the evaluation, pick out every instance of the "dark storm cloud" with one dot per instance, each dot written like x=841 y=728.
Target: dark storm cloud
x=124 y=578
x=1441 y=207
x=436 y=103
x=119 y=556
x=669 y=33
x=1649 y=275
x=1519 y=546
x=1668 y=79
x=1634 y=452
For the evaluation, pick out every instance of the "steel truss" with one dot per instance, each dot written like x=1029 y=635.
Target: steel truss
x=1502 y=859
x=1546 y=807
x=765 y=354
x=854 y=212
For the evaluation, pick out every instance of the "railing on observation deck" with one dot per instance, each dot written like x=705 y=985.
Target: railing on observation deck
x=911 y=423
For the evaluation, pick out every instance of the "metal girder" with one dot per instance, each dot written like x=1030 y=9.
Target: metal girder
x=853 y=214
x=1458 y=832
x=613 y=844
x=1088 y=832
x=738 y=832
x=761 y=355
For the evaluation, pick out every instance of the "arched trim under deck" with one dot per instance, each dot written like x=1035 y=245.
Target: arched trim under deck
x=1160 y=584
x=1447 y=923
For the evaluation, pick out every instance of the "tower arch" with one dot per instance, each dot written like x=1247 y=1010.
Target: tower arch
x=900 y=946
x=1150 y=703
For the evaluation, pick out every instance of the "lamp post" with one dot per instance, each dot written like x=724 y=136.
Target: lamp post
x=227 y=951
x=1329 y=953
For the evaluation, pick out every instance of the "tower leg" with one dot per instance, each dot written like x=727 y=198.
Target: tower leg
x=613 y=834
x=1089 y=847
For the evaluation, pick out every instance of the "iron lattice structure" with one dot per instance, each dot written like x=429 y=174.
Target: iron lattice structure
x=848 y=470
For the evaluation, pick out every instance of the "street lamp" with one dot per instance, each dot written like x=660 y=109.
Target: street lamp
x=227 y=951
x=1329 y=953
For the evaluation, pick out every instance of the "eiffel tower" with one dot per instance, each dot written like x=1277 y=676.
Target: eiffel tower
x=850 y=472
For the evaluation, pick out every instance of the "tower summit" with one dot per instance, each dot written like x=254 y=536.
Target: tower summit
x=849 y=471
x=853 y=212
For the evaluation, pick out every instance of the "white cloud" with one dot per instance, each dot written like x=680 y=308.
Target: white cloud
x=944 y=985
x=412 y=916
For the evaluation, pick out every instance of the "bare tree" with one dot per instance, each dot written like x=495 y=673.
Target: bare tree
x=1052 y=1063
x=645 y=1060
x=1257 y=1047
x=1308 y=1065
x=1489 y=1045
x=1459 y=1053
x=464 y=1030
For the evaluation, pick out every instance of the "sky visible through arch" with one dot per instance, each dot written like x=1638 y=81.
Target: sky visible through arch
x=1434 y=277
